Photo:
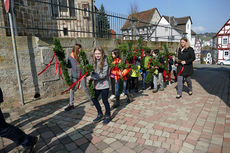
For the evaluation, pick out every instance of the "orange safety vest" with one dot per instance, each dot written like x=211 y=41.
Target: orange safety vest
x=125 y=72
x=115 y=71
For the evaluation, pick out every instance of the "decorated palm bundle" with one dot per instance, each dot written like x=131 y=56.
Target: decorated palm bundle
x=61 y=63
x=153 y=62
x=87 y=68
x=60 y=53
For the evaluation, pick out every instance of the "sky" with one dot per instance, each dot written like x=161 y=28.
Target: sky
x=207 y=15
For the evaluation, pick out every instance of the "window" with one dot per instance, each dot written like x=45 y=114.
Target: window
x=226 y=53
x=54 y=8
x=65 y=31
x=63 y=5
x=85 y=8
x=71 y=9
x=225 y=41
x=141 y=31
x=63 y=8
x=166 y=29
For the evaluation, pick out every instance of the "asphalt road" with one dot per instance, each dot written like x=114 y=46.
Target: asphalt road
x=212 y=67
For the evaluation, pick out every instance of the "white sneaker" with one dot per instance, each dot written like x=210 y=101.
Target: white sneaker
x=123 y=94
x=170 y=83
x=112 y=97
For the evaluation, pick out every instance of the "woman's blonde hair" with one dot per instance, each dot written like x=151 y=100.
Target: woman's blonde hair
x=102 y=60
x=187 y=42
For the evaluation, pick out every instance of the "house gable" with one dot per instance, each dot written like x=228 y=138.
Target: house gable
x=163 y=21
x=164 y=30
x=223 y=37
x=149 y=16
x=155 y=18
x=223 y=30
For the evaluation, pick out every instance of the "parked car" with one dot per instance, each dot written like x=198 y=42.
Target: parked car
x=224 y=62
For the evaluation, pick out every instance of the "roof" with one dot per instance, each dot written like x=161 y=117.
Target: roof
x=223 y=27
x=179 y=23
x=172 y=20
x=183 y=20
x=192 y=32
x=144 y=16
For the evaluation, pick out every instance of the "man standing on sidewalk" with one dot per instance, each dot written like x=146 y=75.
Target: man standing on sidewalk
x=15 y=134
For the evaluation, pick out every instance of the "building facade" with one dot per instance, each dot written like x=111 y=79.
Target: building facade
x=149 y=19
x=197 y=49
x=60 y=18
x=157 y=27
x=165 y=31
x=223 y=42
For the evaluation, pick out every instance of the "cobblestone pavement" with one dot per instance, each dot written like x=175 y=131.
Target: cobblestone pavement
x=156 y=123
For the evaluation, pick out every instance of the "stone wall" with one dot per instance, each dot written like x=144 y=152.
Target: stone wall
x=34 y=54
x=2 y=19
x=37 y=19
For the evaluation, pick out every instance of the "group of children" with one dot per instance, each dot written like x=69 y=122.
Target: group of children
x=104 y=75
x=131 y=76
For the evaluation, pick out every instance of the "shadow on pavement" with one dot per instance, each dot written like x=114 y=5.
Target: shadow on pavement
x=66 y=144
x=123 y=102
x=49 y=124
x=212 y=78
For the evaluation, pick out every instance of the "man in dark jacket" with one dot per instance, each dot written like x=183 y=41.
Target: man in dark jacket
x=15 y=134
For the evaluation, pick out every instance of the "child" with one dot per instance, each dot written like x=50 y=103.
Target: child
x=101 y=84
x=73 y=62
x=170 y=63
x=112 y=80
x=15 y=134
x=145 y=68
x=116 y=72
x=135 y=74
x=158 y=74
x=126 y=82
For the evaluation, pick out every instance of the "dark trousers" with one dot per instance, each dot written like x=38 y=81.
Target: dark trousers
x=113 y=85
x=129 y=84
x=104 y=94
x=13 y=133
x=175 y=75
x=135 y=83
x=144 y=74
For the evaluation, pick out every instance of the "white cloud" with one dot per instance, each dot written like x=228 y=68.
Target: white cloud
x=198 y=29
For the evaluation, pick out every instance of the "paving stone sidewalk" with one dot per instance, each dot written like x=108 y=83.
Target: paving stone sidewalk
x=154 y=122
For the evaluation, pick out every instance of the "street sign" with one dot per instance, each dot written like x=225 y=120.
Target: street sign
x=7 y=5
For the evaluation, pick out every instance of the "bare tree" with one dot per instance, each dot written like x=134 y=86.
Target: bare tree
x=133 y=9
x=133 y=15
